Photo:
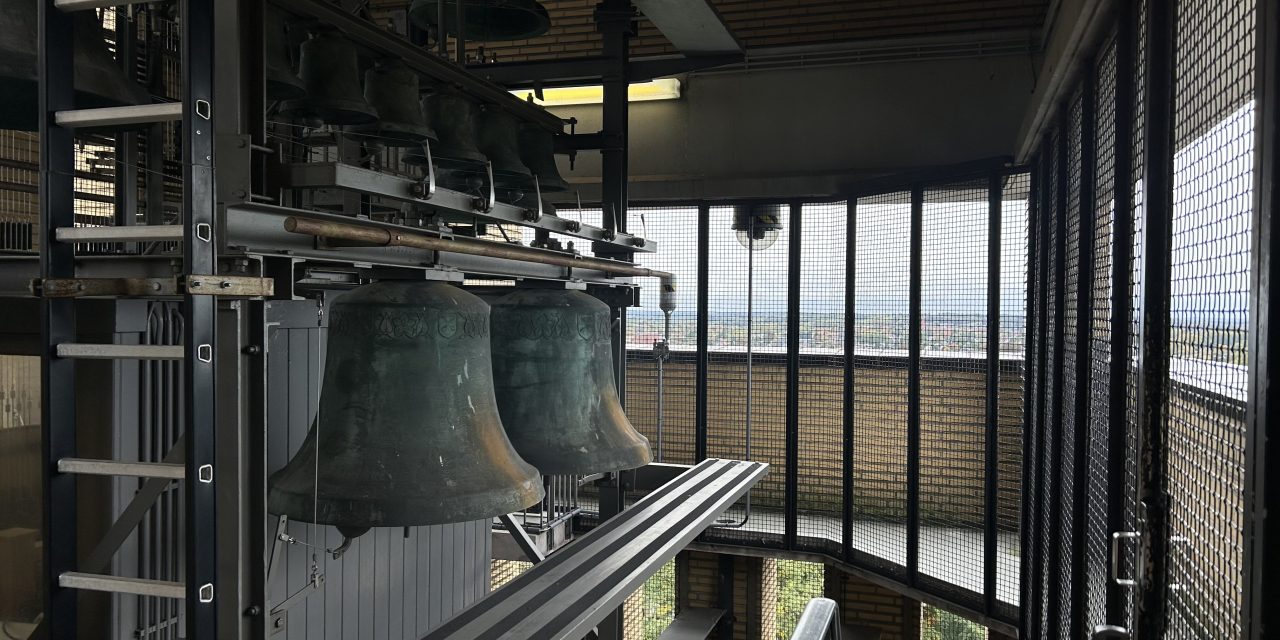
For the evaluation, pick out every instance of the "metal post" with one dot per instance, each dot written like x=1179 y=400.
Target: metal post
x=459 y=36
x=700 y=400
x=199 y=344
x=913 y=388
x=1121 y=308
x=850 y=343
x=1040 y=576
x=1084 y=335
x=126 y=147
x=57 y=260
x=791 y=499
x=1155 y=312
x=995 y=198
x=1262 y=557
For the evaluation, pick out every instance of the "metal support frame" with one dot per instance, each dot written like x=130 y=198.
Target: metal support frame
x=913 y=387
x=1039 y=577
x=995 y=197
x=850 y=340
x=1262 y=489
x=700 y=400
x=1121 y=307
x=792 y=409
x=1154 y=307
x=1084 y=333
x=1053 y=432
x=1030 y=388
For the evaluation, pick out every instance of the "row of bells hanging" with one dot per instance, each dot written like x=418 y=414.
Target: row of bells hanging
x=428 y=417
x=389 y=106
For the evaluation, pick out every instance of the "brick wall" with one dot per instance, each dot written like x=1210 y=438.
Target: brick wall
x=863 y=604
x=951 y=491
x=773 y=23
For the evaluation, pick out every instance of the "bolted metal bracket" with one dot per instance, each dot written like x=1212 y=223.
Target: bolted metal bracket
x=482 y=204
x=426 y=189
x=212 y=285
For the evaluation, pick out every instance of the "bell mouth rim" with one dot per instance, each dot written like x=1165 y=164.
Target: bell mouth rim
x=402 y=512
x=394 y=134
x=337 y=112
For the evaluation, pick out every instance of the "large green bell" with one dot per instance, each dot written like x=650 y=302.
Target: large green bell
x=330 y=69
x=553 y=372
x=485 y=20
x=499 y=141
x=392 y=88
x=407 y=431
x=99 y=80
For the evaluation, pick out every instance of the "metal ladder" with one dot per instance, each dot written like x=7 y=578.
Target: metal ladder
x=60 y=285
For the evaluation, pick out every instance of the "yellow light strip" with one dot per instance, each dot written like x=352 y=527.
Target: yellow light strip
x=660 y=89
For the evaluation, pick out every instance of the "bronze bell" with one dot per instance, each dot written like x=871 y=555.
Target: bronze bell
x=485 y=20
x=330 y=70
x=553 y=372
x=282 y=82
x=99 y=79
x=459 y=163
x=537 y=150
x=392 y=88
x=499 y=140
x=407 y=430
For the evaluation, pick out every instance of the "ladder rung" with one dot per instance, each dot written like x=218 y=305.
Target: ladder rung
x=114 y=116
x=134 y=233
x=120 y=351
x=88 y=467
x=116 y=584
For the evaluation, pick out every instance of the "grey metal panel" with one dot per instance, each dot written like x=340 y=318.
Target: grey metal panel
x=386 y=586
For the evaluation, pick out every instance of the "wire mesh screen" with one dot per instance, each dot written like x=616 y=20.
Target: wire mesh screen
x=953 y=382
x=1099 y=348
x=1013 y=340
x=1048 y=486
x=1213 y=191
x=665 y=412
x=1071 y=398
x=882 y=319
x=503 y=571
x=820 y=489
x=1034 y=448
x=649 y=611
x=729 y=433
x=795 y=583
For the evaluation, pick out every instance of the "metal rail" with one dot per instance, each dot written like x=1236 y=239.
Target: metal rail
x=820 y=621
x=569 y=593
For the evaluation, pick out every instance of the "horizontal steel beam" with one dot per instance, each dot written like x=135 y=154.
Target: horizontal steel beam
x=337 y=175
x=376 y=38
x=590 y=70
x=570 y=592
x=115 y=584
x=120 y=116
x=120 y=351
x=693 y=26
x=130 y=233
x=83 y=466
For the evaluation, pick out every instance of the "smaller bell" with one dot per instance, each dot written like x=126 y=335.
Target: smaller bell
x=459 y=163
x=330 y=70
x=282 y=82
x=392 y=88
x=485 y=20
x=537 y=150
x=498 y=139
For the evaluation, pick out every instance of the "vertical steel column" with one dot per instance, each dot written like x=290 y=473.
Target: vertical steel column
x=793 y=375
x=1084 y=335
x=57 y=376
x=1030 y=505
x=700 y=387
x=255 y=434
x=1040 y=576
x=1121 y=308
x=913 y=388
x=850 y=342
x=1262 y=550
x=1154 y=332
x=1053 y=430
x=199 y=344
x=995 y=198
x=614 y=19
x=126 y=143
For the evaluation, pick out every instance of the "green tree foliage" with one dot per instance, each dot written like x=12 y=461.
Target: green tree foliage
x=936 y=624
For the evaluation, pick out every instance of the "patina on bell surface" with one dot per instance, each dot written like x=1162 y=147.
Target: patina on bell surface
x=408 y=431
x=553 y=372
x=330 y=69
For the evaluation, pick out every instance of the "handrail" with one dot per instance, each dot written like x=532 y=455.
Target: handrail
x=820 y=621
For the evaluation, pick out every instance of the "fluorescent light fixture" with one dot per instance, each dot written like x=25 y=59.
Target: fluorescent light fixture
x=660 y=89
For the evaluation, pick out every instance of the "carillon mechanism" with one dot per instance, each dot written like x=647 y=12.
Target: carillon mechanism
x=455 y=119
x=330 y=69
x=553 y=372
x=537 y=150
x=485 y=20
x=392 y=89
x=99 y=80
x=408 y=430
x=498 y=140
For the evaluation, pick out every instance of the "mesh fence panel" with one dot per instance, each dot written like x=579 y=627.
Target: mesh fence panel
x=649 y=611
x=1070 y=397
x=953 y=380
x=1048 y=486
x=675 y=229
x=882 y=321
x=797 y=582
x=727 y=435
x=820 y=489
x=1013 y=337
x=1213 y=130
x=1095 y=530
